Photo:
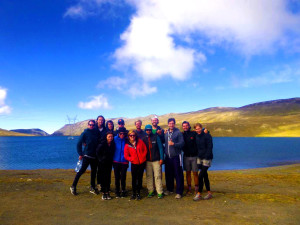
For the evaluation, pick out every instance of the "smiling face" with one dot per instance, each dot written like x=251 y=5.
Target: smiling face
x=171 y=125
x=109 y=138
x=100 y=122
x=198 y=129
x=91 y=125
x=138 y=125
x=154 y=122
x=185 y=126
x=110 y=125
x=132 y=137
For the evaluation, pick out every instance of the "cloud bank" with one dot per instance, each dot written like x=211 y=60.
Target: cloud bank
x=4 y=109
x=96 y=102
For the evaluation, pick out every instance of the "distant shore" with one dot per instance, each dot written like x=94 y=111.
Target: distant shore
x=251 y=196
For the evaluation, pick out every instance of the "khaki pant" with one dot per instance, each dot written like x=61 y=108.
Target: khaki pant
x=154 y=168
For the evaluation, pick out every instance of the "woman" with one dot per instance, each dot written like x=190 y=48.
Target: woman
x=120 y=164
x=205 y=155
x=105 y=152
x=135 y=151
x=110 y=127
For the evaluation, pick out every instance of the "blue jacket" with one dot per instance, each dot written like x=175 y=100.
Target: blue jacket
x=91 y=139
x=119 y=152
x=177 y=137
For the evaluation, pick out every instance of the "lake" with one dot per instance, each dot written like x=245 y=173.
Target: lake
x=24 y=153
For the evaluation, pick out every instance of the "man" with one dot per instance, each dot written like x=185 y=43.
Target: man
x=121 y=124
x=190 y=156
x=89 y=137
x=157 y=129
x=141 y=134
x=154 y=162
x=174 y=143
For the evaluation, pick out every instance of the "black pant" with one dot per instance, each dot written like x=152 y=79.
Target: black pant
x=203 y=175
x=120 y=171
x=105 y=169
x=99 y=174
x=85 y=163
x=137 y=172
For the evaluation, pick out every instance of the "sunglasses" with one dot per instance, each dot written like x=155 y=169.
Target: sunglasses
x=122 y=133
x=148 y=129
x=91 y=125
x=131 y=135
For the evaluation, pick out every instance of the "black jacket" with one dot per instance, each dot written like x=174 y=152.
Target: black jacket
x=105 y=153
x=190 y=148
x=204 y=146
x=91 y=139
x=156 y=152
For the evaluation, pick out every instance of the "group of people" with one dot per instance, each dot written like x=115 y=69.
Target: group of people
x=103 y=148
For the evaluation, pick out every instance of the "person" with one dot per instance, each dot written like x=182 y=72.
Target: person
x=100 y=125
x=205 y=155
x=141 y=134
x=90 y=139
x=174 y=143
x=121 y=124
x=110 y=127
x=190 y=157
x=120 y=164
x=157 y=129
x=135 y=151
x=105 y=152
x=154 y=162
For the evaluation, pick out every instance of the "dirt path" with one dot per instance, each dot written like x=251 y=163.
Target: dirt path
x=258 y=196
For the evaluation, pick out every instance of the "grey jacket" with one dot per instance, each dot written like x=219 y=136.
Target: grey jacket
x=176 y=149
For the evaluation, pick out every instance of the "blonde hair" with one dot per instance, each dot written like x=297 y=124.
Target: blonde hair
x=198 y=125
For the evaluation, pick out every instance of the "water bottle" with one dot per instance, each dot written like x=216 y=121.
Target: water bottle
x=78 y=166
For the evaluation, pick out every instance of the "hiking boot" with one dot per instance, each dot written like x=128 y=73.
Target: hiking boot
x=133 y=197
x=118 y=194
x=197 y=197
x=160 y=196
x=168 y=192
x=108 y=197
x=73 y=190
x=123 y=194
x=138 y=197
x=178 y=196
x=208 y=196
x=94 y=191
x=104 y=197
x=151 y=194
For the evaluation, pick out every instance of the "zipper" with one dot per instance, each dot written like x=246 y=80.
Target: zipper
x=137 y=154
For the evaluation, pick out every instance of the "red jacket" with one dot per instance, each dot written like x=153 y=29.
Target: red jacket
x=136 y=155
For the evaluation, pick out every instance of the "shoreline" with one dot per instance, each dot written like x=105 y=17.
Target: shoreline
x=250 y=196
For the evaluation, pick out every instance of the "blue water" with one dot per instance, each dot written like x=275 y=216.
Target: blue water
x=21 y=153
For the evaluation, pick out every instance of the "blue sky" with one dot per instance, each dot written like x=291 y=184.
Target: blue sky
x=128 y=58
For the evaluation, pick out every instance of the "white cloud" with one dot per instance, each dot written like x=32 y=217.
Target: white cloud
x=85 y=8
x=150 y=45
x=96 y=102
x=113 y=83
x=141 y=90
x=285 y=75
x=4 y=109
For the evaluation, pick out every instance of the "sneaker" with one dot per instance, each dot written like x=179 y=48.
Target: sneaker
x=138 y=197
x=151 y=194
x=160 y=196
x=197 y=197
x=178 y=196
x=108 y=197
x=94 y=191
x=118 y=195
x=104 y=197
x=133 y=197
x=168 y=192
x=73 y=190
x=123 y=194
x=208 y=196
